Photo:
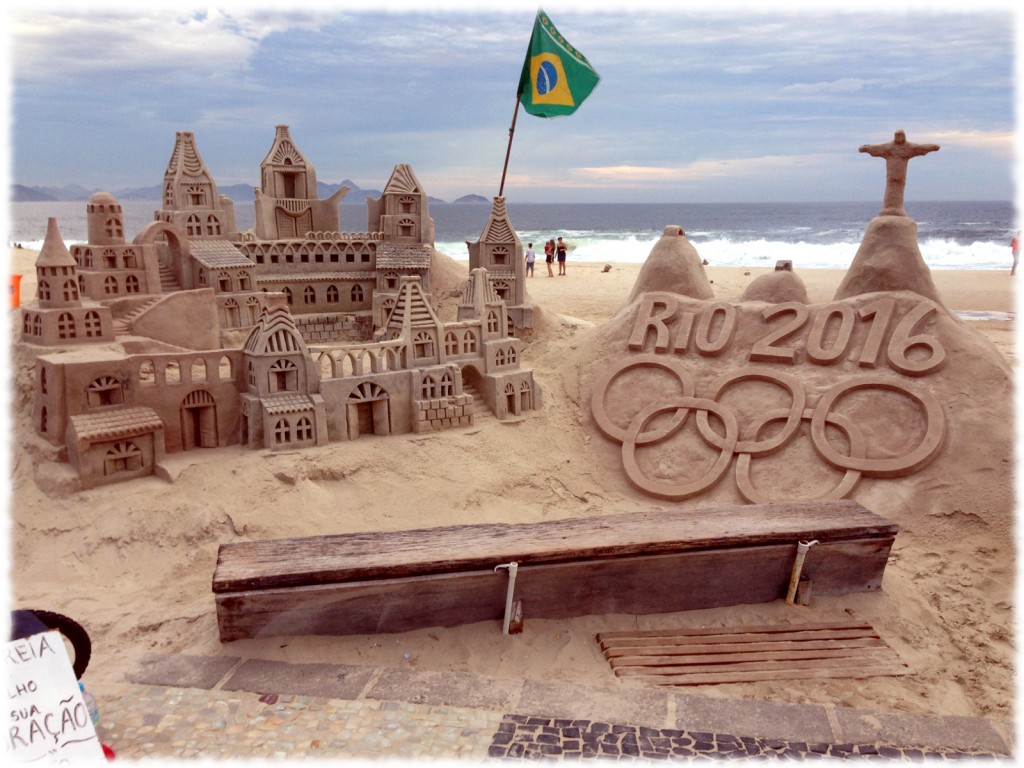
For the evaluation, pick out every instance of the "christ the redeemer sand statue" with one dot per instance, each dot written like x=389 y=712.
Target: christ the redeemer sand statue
x=897 y=154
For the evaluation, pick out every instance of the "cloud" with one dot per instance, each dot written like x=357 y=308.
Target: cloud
x=829 y=88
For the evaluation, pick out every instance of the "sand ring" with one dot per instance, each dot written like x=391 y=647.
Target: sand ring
x=858 y=449
x=887 y=467
x=600 y=412
x=674 y=490
x=757 y=447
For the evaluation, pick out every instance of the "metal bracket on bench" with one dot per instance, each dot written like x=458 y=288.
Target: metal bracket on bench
x=798 y=566
x=513 y=569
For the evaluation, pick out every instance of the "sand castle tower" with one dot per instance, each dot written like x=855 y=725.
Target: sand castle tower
x=104 y=220
x=60 y=316
x=288 y=204
x=500 y=251
x=401 y=213
x=191 y=201
x=414 y=319
x=479 y=301
x=401 y=216
x=280 y=407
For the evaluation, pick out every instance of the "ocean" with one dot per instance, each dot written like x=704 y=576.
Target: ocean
x=951 y=235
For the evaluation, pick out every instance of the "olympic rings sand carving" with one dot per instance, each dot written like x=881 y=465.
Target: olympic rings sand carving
x=710 y=330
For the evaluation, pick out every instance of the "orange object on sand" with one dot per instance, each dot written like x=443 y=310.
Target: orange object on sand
x=15 y=290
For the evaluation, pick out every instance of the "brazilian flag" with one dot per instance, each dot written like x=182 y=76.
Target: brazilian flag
x=556 y=77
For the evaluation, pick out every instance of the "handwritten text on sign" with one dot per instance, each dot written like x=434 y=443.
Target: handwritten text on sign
x=47 y=716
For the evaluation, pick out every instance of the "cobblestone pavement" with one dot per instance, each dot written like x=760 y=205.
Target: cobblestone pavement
x=189 y=707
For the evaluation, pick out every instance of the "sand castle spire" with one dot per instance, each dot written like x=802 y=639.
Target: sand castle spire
x=56 y=271
x=191 y=200
x=288 y=203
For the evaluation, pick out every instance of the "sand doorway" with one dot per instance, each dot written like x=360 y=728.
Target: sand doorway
x=198 y=421
x=368 y=411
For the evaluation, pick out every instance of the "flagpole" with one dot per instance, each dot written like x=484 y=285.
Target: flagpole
x=511 y=131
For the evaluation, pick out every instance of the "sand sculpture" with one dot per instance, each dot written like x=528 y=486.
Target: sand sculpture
x=294 y=334
x=795 y=401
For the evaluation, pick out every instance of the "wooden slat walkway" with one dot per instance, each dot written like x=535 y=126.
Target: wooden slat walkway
x=750 y=654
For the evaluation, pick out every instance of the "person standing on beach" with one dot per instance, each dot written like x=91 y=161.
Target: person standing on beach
x=561 y=256
x=1015 y=250
x=549 y=255
x=531 y=257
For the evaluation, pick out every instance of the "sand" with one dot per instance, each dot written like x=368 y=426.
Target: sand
x=134 y=562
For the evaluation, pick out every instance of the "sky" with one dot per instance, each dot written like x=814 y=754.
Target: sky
x=717 y=103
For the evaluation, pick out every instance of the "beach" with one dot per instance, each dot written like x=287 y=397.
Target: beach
x=133 y=562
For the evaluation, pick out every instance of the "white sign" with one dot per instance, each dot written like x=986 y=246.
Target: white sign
x=47 y=718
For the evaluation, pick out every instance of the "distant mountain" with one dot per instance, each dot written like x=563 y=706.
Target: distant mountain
x=23 y=194
x=471 y=199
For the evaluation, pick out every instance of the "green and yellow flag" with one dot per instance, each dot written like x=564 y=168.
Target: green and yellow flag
x=556 y=77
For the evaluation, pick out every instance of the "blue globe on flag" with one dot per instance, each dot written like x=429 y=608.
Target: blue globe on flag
x=547 y=77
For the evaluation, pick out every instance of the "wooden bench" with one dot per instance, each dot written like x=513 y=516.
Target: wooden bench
x=656 y=561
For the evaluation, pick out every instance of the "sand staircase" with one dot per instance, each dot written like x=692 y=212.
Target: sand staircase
x=480 y=409
x=123 y=323
x=168 y=282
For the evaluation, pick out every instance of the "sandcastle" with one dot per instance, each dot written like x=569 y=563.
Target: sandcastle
x=290 y=335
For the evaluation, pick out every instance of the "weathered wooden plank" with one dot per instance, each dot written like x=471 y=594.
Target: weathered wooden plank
x=668 y=651
x=735 y=639
x=754 y=676
x=634 y=585
x=757 y=631
x=668 y=664
x=397 y=554
x=385 y=605
x=754 y=666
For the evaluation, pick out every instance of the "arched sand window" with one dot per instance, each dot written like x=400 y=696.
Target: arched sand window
x=493 y=325
x=172 y=373
x=333 y=296
x=446 y=386
x=304 y=429
x=284 y=376
x=282 y=432
x=193 y=226
x=357 y=293
x=122 y=457
x=287 y=294
x=309 y=295
x=110 y=285
x=423 y=345
x=103 y=391
x=451 y=343
x=93 y=325
x=499 y=256
x=43 y=290
x=198 y=372
x=66 y=326
x=131 y=284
